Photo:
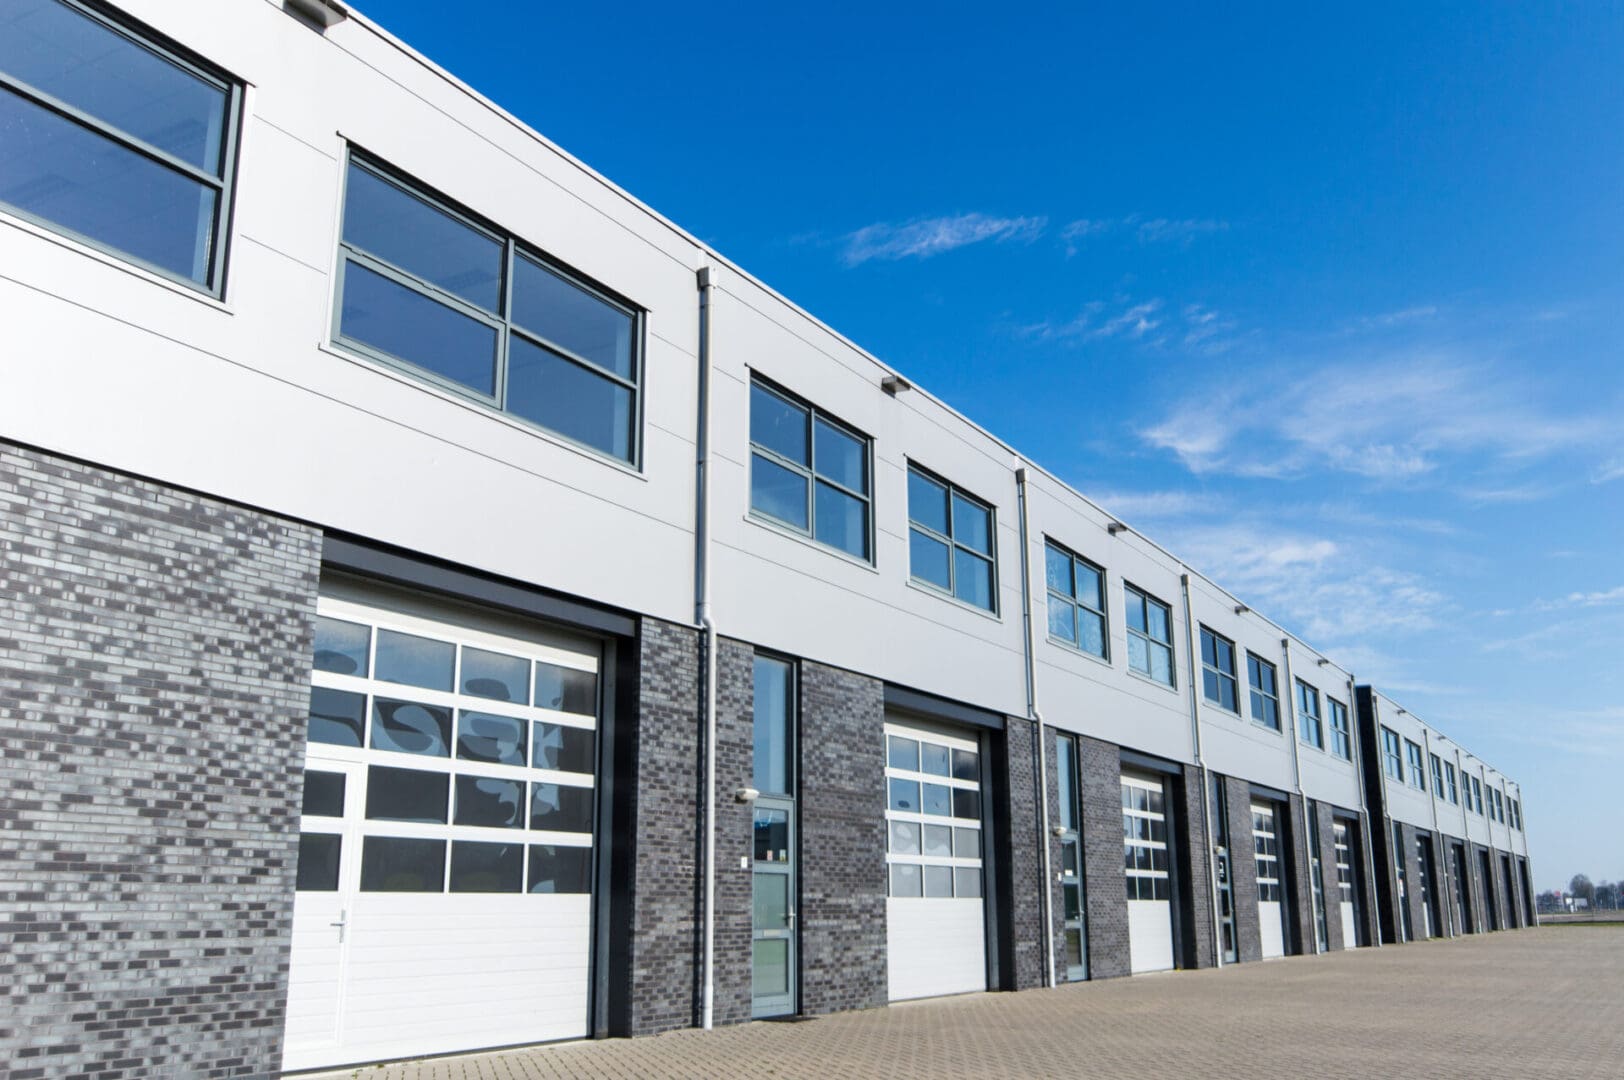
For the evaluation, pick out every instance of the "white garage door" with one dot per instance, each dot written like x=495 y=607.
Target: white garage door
x=1270 y=896
x=1344 y=882
x=1145 y=861
x=934 y=917
x=445 y=850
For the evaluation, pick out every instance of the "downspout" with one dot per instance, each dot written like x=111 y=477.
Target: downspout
x=1297 y=783
x=1040 y=750
x=702 y=592
x=1364 y=797
x=1206 y=796
x=1448 y=902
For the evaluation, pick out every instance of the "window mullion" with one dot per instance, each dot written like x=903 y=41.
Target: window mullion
x=505 y=343
x=417 y=284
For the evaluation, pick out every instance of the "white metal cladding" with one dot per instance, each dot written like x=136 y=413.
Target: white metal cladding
x=935 y=914
x=1270 y=894
x=1344 y=881
x=1146 y=861
x=444 y=898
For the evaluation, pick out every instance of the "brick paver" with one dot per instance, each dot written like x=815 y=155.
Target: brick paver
x=1532 y=1004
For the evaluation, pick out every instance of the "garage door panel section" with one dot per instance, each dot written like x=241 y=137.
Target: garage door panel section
x=1147 y=872
x=935 y=913
x=461 y=913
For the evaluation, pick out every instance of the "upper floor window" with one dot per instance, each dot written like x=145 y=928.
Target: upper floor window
x=1499 y=807
x=1265 y=691
x=1150 y=635
x=1392 y=755
x=950 y=540
x=1310 y=725
x=423 y=284
x=1516 y=814
x=1341 y=738
x=809 y=471
x=1076 y=600
x=773 y=757
x=1417 y=779
x=1449 y=782
x=1218 y=681
x=1437 y=776
x=116 y=139
x=1477 y=796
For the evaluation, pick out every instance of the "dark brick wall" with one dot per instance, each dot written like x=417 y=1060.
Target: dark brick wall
x=1299 y=895
x=842 y=925
x=1446 y=884
x=1508 y=884
x=1333 y=895
x=1195 y=868
x=1024 y=970
x=663 y=778
x=1107 y=903
x=1243 y=870
x=1057 y=901
x=1412 y=883
x=1364 y=865
x=155 y=664
x=735 y=749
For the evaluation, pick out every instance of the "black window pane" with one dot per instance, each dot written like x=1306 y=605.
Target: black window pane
x=966 y=803
x=79 y=60
x=55 y=169
x=409 y=326
x=772 y=723
x=318 y=862
x=415 y=661
x=972 y=525
x=778 y=425
x=336 y=716
x=568 y=690
x=966 y=765
x=560 y=808
x=387 y=221
x=841 y=520
x=568 y=398
x=840 y=457
x=409 y=728
x=406 y=795
x=396 y=864
x=972 y=579
x=495 y=676
x=928 y=559
x=568 y=749
x=927 y=502
x=323 y=794
x=568 y=315
x=490 y=802
x=477 y=867
x=778 y=492
x=771 y=835
x=555 y=868
x=486 y=737
x=341 y=647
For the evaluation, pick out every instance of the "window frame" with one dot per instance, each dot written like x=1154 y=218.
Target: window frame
x=1306 y=694
x=224 y=184
x=1392 y=754
x=1076 y=603
x=503 y=323
x=1252 y=688
x=1172 y=681
x=1449 y=782
x=1416 y=757
x=1477 y=796
x=792 y=722
x=1437 y=764
x=953 y=545
x=1219 y=673
x=810 y=473
x=1341 y=733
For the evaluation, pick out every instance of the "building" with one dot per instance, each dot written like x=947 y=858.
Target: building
x=451 y=607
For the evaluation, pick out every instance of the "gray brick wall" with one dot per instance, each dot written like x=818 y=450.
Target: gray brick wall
x=1333 y=895
x=1020 y=822
x=735 y=749
x=1413 y=884
x=154 y=680
x=842 y=925
x=1243 y=870
x=1196 y=870
x=1446 y=884
x=1107 y=899
x=1299 y=894
x=664 y=773
x=1364 y=865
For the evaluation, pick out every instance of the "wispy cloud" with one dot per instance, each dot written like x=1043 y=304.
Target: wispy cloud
x=1157 y=505
x=1601 y=598
x=1609 y=471
x=1124 y=318
x=1393 y=420
x=1156 y=230
x=1403 y=317
x=927 y=237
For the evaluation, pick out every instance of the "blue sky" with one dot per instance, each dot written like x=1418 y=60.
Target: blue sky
x=1327 y=302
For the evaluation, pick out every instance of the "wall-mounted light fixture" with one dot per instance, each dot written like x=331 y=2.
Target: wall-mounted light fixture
x=1116 y=527
x=1323 y=662
x=895 y=384
x=323 y=13
x=746 y=795
x=1404 y=712
x=1241 y=609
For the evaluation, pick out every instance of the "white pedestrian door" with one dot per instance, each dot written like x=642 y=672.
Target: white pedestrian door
x=1270 y=895
x=1344 y=882
x=935 y=918
x=1149 y=883
x=445 y=853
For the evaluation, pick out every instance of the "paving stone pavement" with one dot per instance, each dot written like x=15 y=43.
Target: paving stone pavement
x=1532 y=1004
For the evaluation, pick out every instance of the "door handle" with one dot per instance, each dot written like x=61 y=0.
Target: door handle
x=789 y=919
x=342 y=923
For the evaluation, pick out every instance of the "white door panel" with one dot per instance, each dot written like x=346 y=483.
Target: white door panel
x=935 y=946
x=1272 y=929
x=1350 y=937
x=1150 y=936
